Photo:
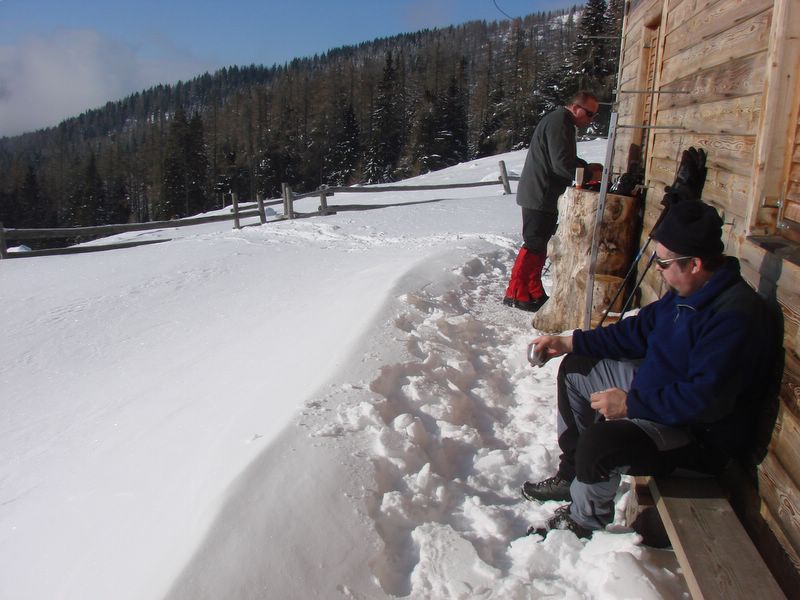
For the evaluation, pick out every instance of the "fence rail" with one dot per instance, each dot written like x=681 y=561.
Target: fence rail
x=237 y=213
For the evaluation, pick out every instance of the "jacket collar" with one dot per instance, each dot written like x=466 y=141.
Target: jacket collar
x=724 y=278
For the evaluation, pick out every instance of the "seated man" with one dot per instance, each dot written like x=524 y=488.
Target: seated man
x=674 y=387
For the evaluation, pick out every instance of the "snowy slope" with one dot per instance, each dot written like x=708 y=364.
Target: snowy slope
x=329 y=407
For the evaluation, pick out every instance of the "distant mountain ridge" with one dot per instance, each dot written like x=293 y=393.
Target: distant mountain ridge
x=375 y=111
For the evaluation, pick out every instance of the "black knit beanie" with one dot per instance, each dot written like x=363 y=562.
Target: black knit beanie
x=691 y=228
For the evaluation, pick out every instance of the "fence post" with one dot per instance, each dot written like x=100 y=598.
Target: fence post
x=504 y=177
x=323 y=201
x=3 y=249
x=288 y=203
x=261 y=214
x=235 y=201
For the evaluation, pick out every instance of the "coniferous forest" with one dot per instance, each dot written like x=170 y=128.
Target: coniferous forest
x=376 y=112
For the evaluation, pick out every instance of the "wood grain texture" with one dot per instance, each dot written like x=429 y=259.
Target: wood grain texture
x=569 y=250
x=739 y=41
x=717 y=556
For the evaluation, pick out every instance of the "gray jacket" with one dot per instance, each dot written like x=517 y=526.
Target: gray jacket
x=550 y=163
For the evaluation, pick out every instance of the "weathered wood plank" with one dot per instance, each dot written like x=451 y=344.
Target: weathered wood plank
x=763 y=529
x=777 y=551
x=741 y=40
x=781 y=495
x=724 y=189
x=793 y=190
x=794 y=169
x=784 y=441
x=680 y=13
x=729 y=153
x=733 y=116
x=791 y=209
x=710 y=21
x=630 y=62
x=644 y=12
x=717 y=557
x=780 y=111
x=790 y=383
x=739 y=77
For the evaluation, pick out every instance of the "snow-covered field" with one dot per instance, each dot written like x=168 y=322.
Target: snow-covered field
x=331 y=407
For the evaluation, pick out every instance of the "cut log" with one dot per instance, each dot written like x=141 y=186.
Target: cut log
x=569 y=257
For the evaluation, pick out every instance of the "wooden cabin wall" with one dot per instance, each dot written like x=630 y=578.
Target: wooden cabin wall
x=739 y=61
x=716 y=52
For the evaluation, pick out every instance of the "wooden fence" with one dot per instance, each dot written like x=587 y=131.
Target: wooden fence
x=237 y=213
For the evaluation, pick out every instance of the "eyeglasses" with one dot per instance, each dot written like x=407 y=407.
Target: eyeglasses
x=589 y=113
x=664 y=263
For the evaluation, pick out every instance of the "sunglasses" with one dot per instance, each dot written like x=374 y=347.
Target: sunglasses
x=664 y=263
x=589 y=113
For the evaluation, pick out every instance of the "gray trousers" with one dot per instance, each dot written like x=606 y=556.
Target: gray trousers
x=596 y=452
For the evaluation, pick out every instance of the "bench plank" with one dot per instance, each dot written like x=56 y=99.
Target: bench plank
x=717 y=557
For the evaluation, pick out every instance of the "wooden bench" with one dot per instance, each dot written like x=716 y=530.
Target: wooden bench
x=716 y=555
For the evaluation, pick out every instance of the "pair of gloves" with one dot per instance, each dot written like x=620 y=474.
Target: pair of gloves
x=689 y=178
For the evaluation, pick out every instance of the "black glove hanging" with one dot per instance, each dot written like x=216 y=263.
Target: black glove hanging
x=689 y=178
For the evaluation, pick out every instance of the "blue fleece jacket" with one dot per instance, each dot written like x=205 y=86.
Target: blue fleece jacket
x=704 y=357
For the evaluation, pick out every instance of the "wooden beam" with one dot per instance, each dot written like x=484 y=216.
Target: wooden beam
x=777 y=125
x=717 y=557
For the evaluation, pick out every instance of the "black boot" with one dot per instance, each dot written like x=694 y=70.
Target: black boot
x=552 y=488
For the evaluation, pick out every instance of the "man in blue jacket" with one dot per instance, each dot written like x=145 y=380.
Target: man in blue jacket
x=549 y=168
x=677 y=386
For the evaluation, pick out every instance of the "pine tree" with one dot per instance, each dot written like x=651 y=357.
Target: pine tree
x=197 y=167
x=342 y=160
x=86 y=203
x=385 y=143
x=174 y=199
x=33 y=207
x=185 y=180
x=453 y=129
x=589 y=65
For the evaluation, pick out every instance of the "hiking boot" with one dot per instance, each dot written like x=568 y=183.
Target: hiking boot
x=562 y=520
x=508 y=301
x=532 y=305
x=552 y=488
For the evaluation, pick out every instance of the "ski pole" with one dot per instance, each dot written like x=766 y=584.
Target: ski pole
x=625 y=280
x=638 y=283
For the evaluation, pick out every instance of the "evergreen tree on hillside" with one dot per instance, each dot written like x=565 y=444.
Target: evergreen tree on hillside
x=197 y=167
x=589 y=67
x=614 y=17
x=342 y=160
x=453 y=131
x=34 y=210
x=287 y=123
x=386 y=138
x=86 y=204
x=424 y=152
x=174 y=199
x=493 y=135
x=184 y=189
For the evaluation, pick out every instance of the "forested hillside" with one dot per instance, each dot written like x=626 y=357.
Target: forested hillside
x=375 y=112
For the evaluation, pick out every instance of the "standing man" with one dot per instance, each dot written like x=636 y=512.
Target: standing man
x=549 y=168
x=681 y=385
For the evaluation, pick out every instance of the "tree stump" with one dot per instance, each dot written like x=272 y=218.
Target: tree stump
x=569 y=251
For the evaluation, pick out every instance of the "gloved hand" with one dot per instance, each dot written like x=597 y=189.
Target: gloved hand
x=689 y=178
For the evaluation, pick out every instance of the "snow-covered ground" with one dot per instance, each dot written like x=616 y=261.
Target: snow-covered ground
x=331 y=407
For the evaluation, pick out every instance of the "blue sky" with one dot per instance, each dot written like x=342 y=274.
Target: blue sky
x=61 y=57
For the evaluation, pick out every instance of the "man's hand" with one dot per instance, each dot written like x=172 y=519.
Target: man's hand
x=611 y=403
x=552 y=345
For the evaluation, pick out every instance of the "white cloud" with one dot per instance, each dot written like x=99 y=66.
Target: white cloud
x=44 y=80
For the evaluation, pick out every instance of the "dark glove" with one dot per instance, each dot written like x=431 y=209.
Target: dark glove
x=689 y=178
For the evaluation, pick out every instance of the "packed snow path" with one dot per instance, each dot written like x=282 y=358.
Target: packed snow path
x=451 y=429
